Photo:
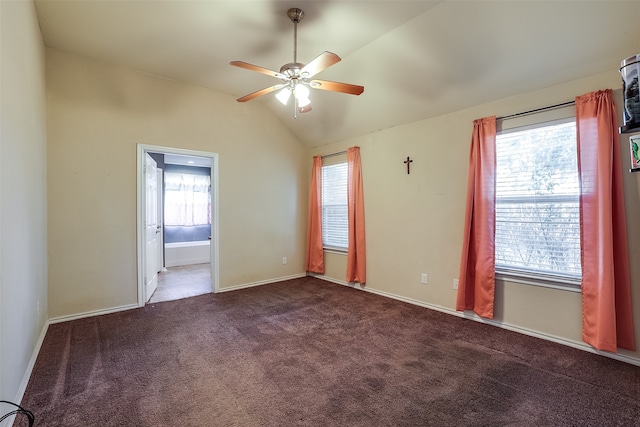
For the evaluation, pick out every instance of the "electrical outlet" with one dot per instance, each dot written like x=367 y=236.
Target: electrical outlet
x=284 y=260
x=455 y=283
x=423 y=278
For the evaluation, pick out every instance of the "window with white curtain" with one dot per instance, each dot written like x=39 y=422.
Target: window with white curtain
x=187 y=199
x=537 y=203
x=335 y=223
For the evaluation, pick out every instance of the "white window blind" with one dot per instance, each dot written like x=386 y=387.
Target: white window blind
x=537 y=202
x=335 y=224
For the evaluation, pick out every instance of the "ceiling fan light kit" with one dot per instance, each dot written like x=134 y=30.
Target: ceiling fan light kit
x=283 y=95
x=297 y=77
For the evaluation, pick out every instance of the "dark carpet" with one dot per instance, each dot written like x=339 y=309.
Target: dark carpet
x=310 y=353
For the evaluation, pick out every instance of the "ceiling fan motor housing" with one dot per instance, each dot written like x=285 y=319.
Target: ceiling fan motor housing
x=295 y=14
x=292 y=69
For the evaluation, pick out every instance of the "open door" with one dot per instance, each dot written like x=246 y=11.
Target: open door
x=151 y=225
x=149 y=219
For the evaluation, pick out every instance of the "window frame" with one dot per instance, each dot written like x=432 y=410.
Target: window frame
x=559 y=282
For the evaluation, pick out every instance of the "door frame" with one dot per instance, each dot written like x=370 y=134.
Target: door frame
x=142 y=149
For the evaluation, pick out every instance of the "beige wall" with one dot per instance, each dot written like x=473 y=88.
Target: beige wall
x=414 y=222
x=23 y=205
x=97 y=114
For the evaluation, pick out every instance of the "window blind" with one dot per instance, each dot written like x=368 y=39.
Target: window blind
x=335 y=224
x=537 y=201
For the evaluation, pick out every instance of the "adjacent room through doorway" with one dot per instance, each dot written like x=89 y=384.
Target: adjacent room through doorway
x=179 y=224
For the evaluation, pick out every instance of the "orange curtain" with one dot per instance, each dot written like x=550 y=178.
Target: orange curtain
x=315 y=254
x=477 y=278
x=356 y=267
x=607 y=321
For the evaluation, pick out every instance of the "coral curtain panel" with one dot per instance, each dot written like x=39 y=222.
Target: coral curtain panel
x=356 y=252
x=315 y=254
x=477 y=278
x=607 y=321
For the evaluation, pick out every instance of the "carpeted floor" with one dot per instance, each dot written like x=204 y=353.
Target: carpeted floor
x=310 y=353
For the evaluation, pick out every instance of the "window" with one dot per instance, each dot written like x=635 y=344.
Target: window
x=187 y=199
x=537 y=203
x=335 y=223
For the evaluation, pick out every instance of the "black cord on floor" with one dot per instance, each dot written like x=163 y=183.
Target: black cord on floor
x=20 y=410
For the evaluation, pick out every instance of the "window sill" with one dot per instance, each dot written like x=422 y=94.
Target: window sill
x=339 y=251
x=536 y=280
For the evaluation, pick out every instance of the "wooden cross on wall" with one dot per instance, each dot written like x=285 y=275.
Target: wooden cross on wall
x=408 y=163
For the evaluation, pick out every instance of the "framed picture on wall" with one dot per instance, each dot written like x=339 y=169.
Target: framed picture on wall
x=634 y=146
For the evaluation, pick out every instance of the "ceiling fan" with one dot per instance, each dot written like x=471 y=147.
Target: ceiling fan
x=296 y=77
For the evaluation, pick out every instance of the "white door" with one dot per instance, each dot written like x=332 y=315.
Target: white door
x=151 y=225
x=160 y=222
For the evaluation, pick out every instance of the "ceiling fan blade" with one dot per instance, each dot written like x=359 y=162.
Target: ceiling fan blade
x=305 y=109
x=321 y=62
x=262 y=70
x=261 y=92
x=337 y=87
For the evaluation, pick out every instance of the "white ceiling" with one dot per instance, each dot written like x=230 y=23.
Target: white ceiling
x=181 y=159
x=416 y=59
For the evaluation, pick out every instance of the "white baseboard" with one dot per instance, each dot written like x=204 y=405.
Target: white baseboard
x=91 y=313
x=27 y=374
x=472 y=316
x=132 y=306
x=261 y=282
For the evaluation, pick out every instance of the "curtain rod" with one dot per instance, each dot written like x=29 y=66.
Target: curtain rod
x=537 y=110
x=333 y=154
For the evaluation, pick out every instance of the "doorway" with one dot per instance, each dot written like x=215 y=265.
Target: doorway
x=182 y=281
x=146 y=255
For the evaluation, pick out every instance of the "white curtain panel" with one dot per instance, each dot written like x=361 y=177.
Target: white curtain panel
x=187 y=199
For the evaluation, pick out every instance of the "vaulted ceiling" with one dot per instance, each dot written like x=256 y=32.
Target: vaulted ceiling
x=416 y=59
